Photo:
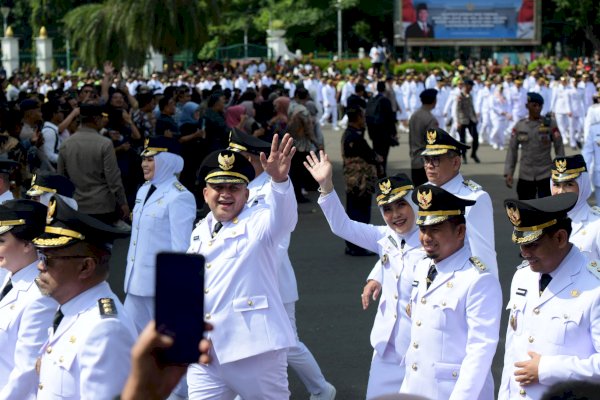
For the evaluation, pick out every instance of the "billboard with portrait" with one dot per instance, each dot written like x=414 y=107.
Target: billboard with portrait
x=467 y=22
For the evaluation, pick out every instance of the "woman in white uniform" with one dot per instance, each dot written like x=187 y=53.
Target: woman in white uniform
x=25 y=314
x=500 y=116
x=569 y=174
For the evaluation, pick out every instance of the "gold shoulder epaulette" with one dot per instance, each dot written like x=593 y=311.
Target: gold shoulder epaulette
x=179 y=186
x=594 y=268
x=478 y=264
x=523 y=264
x=472 y=185
x=107 y=307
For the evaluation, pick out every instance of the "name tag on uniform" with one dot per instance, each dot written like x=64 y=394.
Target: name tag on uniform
x=415 y=283
x=521 y=291
x=196 y=238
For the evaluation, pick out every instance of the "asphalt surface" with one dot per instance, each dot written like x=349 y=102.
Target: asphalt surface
x=329 y=315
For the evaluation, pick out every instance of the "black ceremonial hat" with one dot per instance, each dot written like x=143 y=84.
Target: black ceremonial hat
x=568 y=168
x=226 y=166
x=392 y=188
x=436 y=205
x=51 y=183
x=26 y=216
x=160 y=144
x=440 y=142
x=240 y=141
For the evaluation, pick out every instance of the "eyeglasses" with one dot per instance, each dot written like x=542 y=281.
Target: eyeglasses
x=434 y=161
x=43 y=258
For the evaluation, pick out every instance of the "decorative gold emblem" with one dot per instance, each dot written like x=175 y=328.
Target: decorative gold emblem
x=514 y=215
x=226 y=162
x=408 y=310
x=561 y=165
x=513 y=322
x=385 y=187
x=450 y=285
x=146 y=142
x=51 y=211
x=575 y=293
x=384 y=259
x=424 y=199
x=33 y=179
x=431 y=136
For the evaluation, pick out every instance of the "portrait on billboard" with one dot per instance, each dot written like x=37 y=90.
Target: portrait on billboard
x=466 y=20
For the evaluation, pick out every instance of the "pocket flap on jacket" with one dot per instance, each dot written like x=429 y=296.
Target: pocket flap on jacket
x=250 y=303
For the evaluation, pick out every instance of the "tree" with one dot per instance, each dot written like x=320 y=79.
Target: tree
x=124 y=31
x=585 y=15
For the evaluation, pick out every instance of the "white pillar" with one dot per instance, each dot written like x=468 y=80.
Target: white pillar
x=43 y=52
x=276 y=43
x=10 y=52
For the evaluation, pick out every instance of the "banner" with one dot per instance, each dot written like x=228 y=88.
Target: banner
x=477 y=22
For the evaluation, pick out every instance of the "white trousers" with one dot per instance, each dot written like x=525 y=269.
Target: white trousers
x=301 y=360
x=498 y=128
x=260 y=377
x=385 y=376
x=565 y=126
x=330 y=111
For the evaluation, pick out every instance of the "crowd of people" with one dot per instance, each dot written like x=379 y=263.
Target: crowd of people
x=122 y=156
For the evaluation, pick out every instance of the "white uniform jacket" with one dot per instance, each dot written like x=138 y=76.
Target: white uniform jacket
x=396 y=272
x=562 y=325
x=455 y=329
x=591 y=146
x=241 y=290
x=480 y=219
x=586 y=233
x=164 y=223
x=25 y=316
x=288 y=286
x=88 y=357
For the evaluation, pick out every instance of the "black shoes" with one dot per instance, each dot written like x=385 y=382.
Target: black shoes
x=475 y=158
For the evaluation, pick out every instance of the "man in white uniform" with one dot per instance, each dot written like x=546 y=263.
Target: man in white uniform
x=454 y=307
x=553 y=333
x=442 y=167
x=329 y=105
x=299 y=357
x=87 y=354
x=241 y=247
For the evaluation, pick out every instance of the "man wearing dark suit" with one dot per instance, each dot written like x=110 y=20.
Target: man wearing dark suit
x=420 y=28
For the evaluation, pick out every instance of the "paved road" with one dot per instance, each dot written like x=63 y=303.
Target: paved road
x=329 y=314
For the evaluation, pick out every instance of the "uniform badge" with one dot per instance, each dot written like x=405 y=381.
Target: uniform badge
x=478 y=264
x=575 y=293
x=384 y=259
x=514 y=215
x=561 y=165
x=107 y=307
x=424 y=199
x=449 y=285
x=431 y=136
x=521 y=291
x=51 y=211
x=196 y=237
x=393 y=241
x=385 y=187
x=408 y=310
x=226 y=162
x=415 y=283
x=513 y=322
x=72 y=339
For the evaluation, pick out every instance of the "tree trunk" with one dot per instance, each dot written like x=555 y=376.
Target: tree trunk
x=592 y=37
x=170 y=62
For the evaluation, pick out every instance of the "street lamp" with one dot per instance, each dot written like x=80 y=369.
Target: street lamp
x=339 y=33
x=5 y=11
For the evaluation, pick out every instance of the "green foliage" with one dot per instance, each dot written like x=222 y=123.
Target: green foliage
x=542 y=62
x=421 y=67
x=362 y=30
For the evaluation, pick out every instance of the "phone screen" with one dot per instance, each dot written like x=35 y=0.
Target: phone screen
x=179 y=305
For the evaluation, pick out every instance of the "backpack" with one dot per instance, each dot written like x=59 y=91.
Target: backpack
x=372 y=114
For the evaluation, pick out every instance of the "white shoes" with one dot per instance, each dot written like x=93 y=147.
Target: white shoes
x=327 y=394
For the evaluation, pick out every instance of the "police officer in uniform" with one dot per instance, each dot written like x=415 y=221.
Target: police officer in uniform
x=535 y=135
x=454 y=307
x=87 y=354
x=442 y=160
x=397 y=244
x=163 y=219
x=241 y=244
x=569 y=174
x=25 y=314
x=45 y=186
x=554 y=302
x=299 y=357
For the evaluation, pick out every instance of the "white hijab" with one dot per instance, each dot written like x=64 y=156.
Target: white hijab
x=415 y=209
x=166 y=166
x=585 y=190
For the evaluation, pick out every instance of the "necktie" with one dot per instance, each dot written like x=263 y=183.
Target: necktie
x=431 y=275
x=544 y=281
x=402 y=243
x=7 y=288
x=217 y=228
x=57 y=318
x=152 y=190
